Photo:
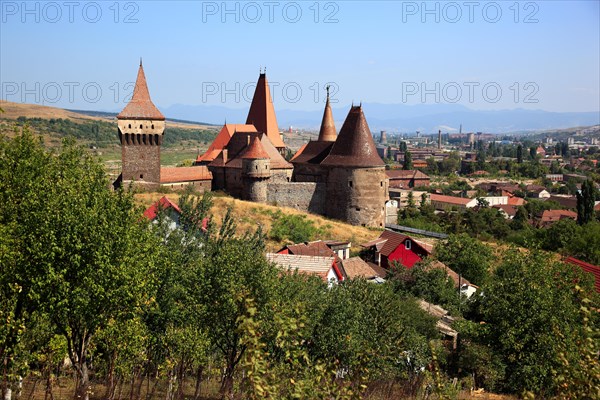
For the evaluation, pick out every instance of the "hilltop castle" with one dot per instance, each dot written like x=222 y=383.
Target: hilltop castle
x=340 y=177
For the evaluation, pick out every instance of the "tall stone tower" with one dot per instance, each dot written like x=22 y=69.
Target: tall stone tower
x=357 y=186
x=256 y=171
x=262 y=113
x=141 y=129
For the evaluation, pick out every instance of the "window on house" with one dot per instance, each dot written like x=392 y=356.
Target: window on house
x=408 y=244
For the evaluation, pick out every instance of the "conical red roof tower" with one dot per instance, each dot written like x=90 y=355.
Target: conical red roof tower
x=327 y=132
x=354 y=146
x=141 y=106
x=262 y=112
x=255 y=150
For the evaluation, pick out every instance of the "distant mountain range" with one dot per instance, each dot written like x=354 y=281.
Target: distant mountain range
x=426 y=118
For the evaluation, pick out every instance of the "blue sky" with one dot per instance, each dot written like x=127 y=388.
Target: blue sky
x=484 y=55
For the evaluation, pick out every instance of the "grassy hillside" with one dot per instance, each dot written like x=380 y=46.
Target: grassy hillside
x=182 y=141
x=249 y=215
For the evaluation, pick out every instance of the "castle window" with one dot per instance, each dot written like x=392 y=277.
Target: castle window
x=381 y=183
x=256 y=167
x=357 y=208
x=141 y=126
x=407 y=245
x=152 y=126
x=141 y=176
x=349 y=183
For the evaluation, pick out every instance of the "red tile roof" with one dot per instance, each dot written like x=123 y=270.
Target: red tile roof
x=222 y=139
x=449 y=199
x=141 y=106
x=516 y=201
x=511 y=211
x=262 y=112
x=556 y=215
x=590 y=268
x=255 y=150
x=184 y=174
x=164 y=203
x=312 y=152
x=354 y=146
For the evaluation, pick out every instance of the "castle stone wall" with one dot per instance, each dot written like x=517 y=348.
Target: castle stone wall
x=303 y=196
x=141 y=163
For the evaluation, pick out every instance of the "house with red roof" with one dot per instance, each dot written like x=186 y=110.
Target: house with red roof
x=323 y=267
x=407 y=178
x=171 y=210
x=392 y=247
x=551 y=216
x=171 y=213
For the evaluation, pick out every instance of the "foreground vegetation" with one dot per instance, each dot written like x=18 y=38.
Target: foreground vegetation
x=130 y=303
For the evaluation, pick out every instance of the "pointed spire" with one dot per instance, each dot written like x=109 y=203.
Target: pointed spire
x=355 y=146
x=327 y=132
x=141 y=106
x=262 y=112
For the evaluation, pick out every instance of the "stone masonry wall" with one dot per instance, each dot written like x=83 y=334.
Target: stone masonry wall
x=304 y=196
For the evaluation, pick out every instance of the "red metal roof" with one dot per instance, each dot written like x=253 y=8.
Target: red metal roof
x=141 y=106
x=354 y=146
x=164 y=203
x=393 y=240
x=262 y=112
x=587 y=267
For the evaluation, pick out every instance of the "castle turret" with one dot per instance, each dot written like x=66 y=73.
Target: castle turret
x=262 y=113
x=141 y=128
x=357 y=185
x=256 y=171
x=327 y=132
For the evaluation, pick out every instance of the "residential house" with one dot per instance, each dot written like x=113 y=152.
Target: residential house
x=171 y=212
x=551 y=216
x=537 y=191
x=407 y=178
x=356 y=267
x=506 y=210
x=392 y=246
x=323 y=267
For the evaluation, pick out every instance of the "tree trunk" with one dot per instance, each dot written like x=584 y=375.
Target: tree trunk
x=83 y=382
x=226 y=390
x=110 y=379
x=199 y=373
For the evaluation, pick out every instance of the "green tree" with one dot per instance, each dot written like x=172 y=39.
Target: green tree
x=408 y=165
x=520 y=154
x=466 y=256
x=586 y=200
x=527 y=302
x=88 y=256
x=233 y=266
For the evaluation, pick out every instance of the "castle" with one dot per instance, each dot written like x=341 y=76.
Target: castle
x=338 y=176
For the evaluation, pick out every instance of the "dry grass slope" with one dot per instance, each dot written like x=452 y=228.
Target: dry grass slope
x=249 y=216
